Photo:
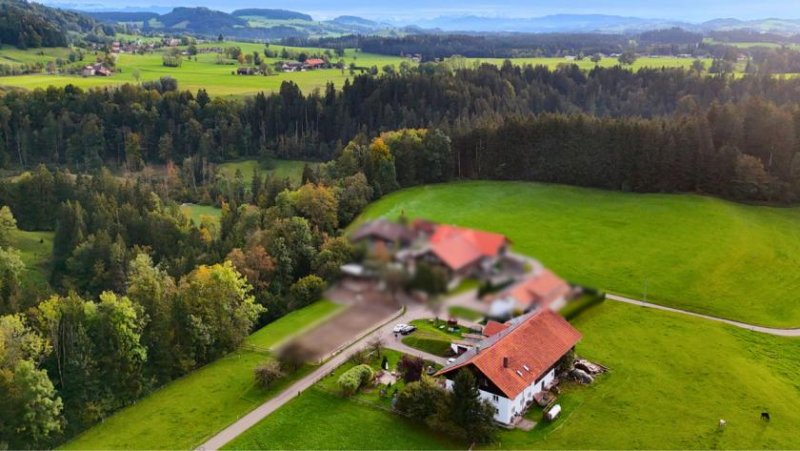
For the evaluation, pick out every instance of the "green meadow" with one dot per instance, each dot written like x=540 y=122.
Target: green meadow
x=185 y=412
x=652 y=62
x=205 y=73
x=36 y=252
x=672 y=379
x=692 y=252
x=291 y=169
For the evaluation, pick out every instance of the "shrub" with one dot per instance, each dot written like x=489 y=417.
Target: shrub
x=267 y=373
x=305 y=291
x=354 y=378
x=419 y=400
x=293 y=356
x=411 y=368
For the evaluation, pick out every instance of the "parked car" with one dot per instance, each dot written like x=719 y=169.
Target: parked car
x=399 y=328
x=408 y=329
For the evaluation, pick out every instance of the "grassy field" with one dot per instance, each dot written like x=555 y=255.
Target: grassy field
x=321 y=419
x=587 y=64
x=183 y=413
x=36 y=250
x=196 y=212
x=204 y=73
x=431 y=338
x=687 y=251
x=672 y=378
x=291 y=169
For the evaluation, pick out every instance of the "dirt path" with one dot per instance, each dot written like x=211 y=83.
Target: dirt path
x=752 y=327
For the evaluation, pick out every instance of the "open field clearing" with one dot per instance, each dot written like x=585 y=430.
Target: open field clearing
x=291 y=169
x=691 y=252
x=36 y=252
x=192 y=75
x=587 y=64
x=184 y=412
x=672 y=379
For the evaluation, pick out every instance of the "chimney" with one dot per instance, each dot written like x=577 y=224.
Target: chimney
x=505 y=362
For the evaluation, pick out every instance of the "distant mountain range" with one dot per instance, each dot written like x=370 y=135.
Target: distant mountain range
x=585 y=23
x=270 y=24
x=250 y=23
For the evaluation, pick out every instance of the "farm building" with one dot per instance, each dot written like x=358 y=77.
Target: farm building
x=539 y=290
x=96 y=70
x=314 y=63
x=517 y=363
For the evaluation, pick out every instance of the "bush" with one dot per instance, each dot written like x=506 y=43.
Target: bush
x=419 y=400
x=293 y=356
x=354 y=378
x=305 y=291
x=267 y=373
x=411 y=368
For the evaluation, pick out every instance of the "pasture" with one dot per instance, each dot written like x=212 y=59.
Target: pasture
x=291 y=169
x=651 y=62
x=36 y=252
x=686 y=251
x=201 y=72
x=672 y=379
x=186 y=411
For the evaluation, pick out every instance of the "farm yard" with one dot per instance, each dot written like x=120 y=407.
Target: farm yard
x=177 y=417
x=697 y=253
x=663 y=366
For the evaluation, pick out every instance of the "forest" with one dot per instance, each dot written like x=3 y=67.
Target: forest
x=730 y=136
x=141 y=294
x=30 y=25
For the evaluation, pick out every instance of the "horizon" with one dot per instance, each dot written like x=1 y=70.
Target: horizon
x=421 y=11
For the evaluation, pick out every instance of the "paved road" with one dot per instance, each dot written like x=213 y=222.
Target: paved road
x=764 y=330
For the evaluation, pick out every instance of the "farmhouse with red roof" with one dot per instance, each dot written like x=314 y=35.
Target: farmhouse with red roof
x=540 y=290
x=464 y=252
x=515 y=364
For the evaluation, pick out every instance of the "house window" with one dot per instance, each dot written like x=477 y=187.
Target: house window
x=495 y=398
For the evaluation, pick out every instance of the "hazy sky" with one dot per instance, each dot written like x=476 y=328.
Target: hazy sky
x=688 y=10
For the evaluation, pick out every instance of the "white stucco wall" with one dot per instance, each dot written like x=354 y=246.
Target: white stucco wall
x=507 y=409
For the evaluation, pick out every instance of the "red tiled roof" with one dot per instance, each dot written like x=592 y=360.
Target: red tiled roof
x=542 y=288
x=457 y=247
x=532 y=346
x=315 y=62
x=493 y=327
x=456 y=252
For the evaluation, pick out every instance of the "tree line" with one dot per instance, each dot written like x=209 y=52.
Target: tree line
x=129 y=126
x=144 y=295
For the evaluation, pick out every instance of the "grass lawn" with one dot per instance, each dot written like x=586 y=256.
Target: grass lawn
x=291 y=169
x=698 y=253
x=187 y=411
x=465 y=313
x=672 y=378
x=322 y=419
x=432 y=339
x=36 y=251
